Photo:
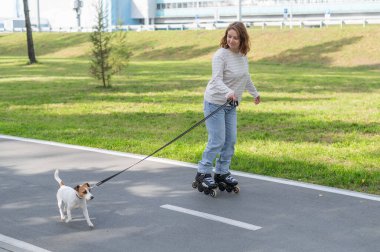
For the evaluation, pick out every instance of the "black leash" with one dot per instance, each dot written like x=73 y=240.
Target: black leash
x=231 y=102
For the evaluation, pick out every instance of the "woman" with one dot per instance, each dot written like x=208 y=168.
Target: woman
x=230 y=77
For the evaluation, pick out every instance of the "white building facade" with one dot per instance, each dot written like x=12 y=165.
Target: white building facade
x=61 y=14
x=255 y=10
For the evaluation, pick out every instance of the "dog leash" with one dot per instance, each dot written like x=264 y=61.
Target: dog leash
x=230 y=102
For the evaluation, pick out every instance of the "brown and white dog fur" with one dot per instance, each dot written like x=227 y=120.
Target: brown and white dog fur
x=69 y=198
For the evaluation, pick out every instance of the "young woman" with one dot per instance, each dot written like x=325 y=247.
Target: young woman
x=230 y=77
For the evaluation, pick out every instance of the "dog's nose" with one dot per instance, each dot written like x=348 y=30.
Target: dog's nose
x=92 y=197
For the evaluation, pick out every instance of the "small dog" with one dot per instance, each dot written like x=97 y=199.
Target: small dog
x=69 y=198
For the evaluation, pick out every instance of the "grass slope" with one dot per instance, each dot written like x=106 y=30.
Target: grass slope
x=348 y=47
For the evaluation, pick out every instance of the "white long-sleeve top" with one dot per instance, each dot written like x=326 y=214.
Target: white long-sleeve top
x=230 y=74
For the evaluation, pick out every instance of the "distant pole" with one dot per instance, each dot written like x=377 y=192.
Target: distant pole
x=38 y=16
x=78 y=4
x=239 y=10
x=18 y=15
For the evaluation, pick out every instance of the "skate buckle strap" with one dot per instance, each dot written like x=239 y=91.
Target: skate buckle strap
x=230 y=178
x=209 y=179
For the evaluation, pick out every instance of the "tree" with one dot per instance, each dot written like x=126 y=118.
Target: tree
x=29 y=37
x=120 y=53
x=110 y=53
x=100 y=63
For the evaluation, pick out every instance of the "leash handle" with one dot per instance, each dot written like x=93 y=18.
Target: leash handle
x=229 y=101
x=233 y=103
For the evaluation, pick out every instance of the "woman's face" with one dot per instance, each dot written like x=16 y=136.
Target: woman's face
x=233 y=40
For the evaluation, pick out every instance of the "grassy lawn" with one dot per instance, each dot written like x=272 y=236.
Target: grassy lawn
x=319 y=120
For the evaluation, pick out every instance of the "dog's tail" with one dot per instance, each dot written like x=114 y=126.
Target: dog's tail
x=56 y=176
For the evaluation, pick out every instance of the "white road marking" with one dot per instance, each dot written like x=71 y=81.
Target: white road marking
x=184 y=164
x=213 y=217
x=20 y=244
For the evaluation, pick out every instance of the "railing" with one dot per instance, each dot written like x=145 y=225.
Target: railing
x=316 y=23
x=281 y=23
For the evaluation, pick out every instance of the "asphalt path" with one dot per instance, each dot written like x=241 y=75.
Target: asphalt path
x=152 y=207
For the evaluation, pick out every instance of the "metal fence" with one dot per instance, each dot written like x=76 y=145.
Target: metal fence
x=280 y=23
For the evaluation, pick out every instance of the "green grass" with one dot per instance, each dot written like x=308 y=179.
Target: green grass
x=319 y=120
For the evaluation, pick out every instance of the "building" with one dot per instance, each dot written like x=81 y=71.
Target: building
x=18 y=24
x=186 y=11
x=76 y=15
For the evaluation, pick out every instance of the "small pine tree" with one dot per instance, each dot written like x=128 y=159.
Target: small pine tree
x=101 y=68
x=120 y=53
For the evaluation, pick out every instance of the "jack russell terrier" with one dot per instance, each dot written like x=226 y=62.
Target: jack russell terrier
x=69 y=198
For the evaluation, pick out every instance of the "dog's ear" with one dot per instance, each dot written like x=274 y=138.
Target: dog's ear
x=87 y=184
x=77 y=188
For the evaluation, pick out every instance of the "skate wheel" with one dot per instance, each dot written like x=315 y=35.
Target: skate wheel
x=213 y=193
x=236 y=189
x=221 y=187
x=207 y=191
x=200 y=188
x=228 y=189
x=194 y=184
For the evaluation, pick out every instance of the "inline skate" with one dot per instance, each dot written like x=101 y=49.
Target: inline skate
x=226 y=182
x=205 y=183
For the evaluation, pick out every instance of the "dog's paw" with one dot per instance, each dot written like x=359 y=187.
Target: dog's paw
x=62 y=219
x=67 y=220
x=91 y=226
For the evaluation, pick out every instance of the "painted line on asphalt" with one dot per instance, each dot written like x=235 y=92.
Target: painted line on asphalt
x=189 y=165
x=212 y=217
x=20 y=244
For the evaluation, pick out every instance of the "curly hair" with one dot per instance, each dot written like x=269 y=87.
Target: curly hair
x=239 y=27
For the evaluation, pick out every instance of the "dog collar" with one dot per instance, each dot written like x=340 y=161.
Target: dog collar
x=78 y=196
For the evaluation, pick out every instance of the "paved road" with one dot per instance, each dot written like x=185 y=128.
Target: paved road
x=152 y=207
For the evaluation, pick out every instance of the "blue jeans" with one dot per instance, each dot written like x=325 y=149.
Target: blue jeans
x=221 y=128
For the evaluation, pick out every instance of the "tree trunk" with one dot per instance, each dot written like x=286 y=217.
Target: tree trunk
x=29 y=37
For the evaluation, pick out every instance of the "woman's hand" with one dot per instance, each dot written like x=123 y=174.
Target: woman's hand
x=231 y=96
x=257 y=100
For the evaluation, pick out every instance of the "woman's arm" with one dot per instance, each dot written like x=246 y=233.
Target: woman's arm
x=218 y=86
